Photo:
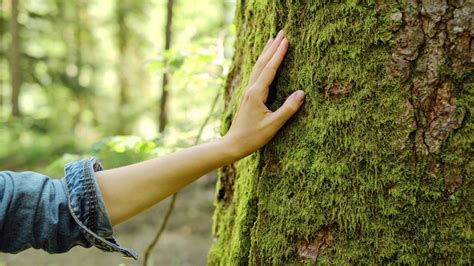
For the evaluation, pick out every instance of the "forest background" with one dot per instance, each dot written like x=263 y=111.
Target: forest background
x=87 y=78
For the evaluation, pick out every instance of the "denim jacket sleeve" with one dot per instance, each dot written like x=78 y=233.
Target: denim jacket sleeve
x=55 y=214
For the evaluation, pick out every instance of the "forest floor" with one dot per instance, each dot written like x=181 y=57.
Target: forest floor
x=185 y=242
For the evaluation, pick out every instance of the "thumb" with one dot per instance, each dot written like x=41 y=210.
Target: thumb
x=289 y=108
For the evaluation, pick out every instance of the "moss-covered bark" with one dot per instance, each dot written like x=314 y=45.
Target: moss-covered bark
x=376 y=167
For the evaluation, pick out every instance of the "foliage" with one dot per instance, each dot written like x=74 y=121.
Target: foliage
x=123 y=150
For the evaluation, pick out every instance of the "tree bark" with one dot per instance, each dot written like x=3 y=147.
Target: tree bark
x=15 y=59
x=376 y=167
x=163 y=119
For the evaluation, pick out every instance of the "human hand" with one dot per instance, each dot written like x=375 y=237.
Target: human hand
x=254 y=125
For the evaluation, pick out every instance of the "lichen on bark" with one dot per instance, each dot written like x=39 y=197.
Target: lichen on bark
x=376 y=167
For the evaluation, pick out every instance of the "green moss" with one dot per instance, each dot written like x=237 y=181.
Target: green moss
x=347 y=162
x=233 y=223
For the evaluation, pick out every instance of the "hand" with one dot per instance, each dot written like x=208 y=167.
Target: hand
x=254 y=125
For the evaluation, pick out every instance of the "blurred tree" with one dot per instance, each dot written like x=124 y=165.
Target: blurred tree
x=3 y=56
x=128 y=40
x=376 y=168
x=164 y=89
x=216 y=64
x=78 y=33
x=122 y=43
x=15 y=59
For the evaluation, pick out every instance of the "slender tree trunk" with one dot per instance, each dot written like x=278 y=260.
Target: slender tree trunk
x=80 y=20
x=123 y=70
x=377 y=165
x=163 y=119
x=15 y=59
x=3 y=54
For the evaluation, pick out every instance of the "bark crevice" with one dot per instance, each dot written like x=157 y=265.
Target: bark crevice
x=434 y=35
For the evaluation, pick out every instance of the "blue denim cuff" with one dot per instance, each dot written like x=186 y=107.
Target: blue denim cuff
x=87 y=206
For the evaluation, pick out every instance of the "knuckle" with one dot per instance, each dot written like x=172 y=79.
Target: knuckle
x=271 y=68
x=263 y=59
x=258 y=65
x=276 y=122
x=292 y=108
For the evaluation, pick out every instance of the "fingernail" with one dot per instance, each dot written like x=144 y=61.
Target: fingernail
x=299 y=95
x=280 y=33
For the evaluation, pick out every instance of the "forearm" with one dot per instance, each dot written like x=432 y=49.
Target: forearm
x=131 y=189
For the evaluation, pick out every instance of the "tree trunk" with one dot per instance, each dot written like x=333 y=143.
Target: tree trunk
x=376 y=167
x=163 y=119
x=15 y=57
x=123 y=69
x=3 y=54
x=80 y=19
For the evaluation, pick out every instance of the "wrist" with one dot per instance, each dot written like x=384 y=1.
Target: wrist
x=233 y=146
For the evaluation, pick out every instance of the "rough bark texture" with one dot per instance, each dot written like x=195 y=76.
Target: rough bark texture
x=376 y=167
